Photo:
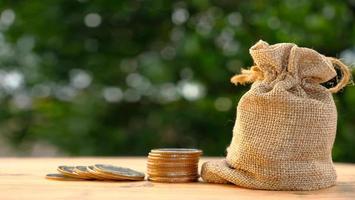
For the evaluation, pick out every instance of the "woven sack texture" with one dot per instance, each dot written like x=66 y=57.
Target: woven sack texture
x=286 y=123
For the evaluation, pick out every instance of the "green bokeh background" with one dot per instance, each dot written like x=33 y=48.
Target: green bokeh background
x=121 y=77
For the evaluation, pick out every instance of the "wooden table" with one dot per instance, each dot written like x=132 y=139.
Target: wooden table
x=23 y=178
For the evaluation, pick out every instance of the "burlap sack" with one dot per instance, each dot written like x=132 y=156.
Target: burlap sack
x=286 y=123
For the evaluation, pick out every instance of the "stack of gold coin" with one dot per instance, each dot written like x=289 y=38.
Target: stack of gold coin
x=96 y=172
x=173 y=165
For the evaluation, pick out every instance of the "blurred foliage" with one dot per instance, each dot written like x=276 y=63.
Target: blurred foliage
x=122 y=77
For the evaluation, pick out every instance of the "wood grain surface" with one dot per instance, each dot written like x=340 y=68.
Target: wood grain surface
x=23 y=178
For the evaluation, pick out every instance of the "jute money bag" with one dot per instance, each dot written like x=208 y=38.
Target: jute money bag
x=286 y=123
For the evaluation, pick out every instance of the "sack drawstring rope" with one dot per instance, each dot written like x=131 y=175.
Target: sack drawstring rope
x=346 y=74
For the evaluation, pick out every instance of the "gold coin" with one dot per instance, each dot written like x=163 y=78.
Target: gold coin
x=61 y=177
x=185 y=172
x=172 y=167
x=172 y=155
x=94 y=174
x=173 y=180
x=172 y=170
x=124 y=173
x=169 y=167
x=83 y=172
x=169 y=155
x=107 y=176
x=68 y=171
x=172 y=174
x=177 y=151
x=157 y=170
x=172 y=164
x=174 y=160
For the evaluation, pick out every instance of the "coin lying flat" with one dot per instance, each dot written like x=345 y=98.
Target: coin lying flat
x=172 y=156
x=61 y=177
x=173 y=179
x=171 y=174
x=171 y=170
x=174 y=165
x=94 y=173
x=68 y=171
x=176 y=151
x=83 y=172
x=121 y=172
x=173 y=159
x=107 y=176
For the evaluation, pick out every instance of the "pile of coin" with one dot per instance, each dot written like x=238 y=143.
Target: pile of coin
x=173 y=165
x=96 y=172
